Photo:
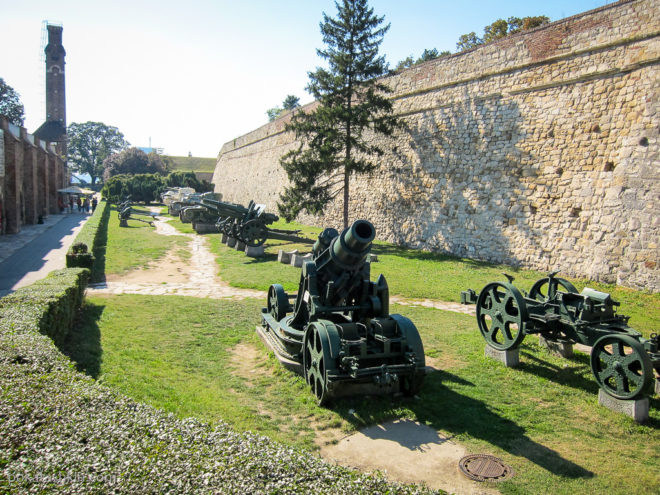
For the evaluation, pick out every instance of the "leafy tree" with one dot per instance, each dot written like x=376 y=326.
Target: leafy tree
x=351 y=100
x=140 y=187
x=133 y=161
x=273 y=113
x=467 y=41
x=500 y=29
x=10 y=104
x=90 y=144
x=407 y=62
x=187 y=179
x=289 y=103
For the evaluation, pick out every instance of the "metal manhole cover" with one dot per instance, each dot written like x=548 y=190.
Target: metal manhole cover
x=483 y=467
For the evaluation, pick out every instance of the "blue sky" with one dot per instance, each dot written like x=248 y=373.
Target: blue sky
x=190 y=76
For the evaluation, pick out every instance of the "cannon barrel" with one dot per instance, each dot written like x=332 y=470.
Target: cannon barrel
x=349 y=250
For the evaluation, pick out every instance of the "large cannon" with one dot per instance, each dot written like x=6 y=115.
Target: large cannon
x=622 y=361
x=338 y=332
x=248 y=225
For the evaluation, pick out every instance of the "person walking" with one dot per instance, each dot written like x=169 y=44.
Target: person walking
x=70 y=204
x=79 y=203
x=86 y=205
x=94 y=203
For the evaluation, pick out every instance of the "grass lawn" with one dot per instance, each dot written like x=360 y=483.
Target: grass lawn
x=137 y=245
x=417 y=274
x=203 y=358
x=193 y=163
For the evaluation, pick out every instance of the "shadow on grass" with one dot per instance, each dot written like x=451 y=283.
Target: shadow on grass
x=445 y=409
x=83 y=344
x=458 y=413
x=570 y=376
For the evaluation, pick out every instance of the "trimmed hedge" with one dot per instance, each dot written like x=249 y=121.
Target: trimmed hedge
x=89 y=236
x=63 y=432
x=51 y=303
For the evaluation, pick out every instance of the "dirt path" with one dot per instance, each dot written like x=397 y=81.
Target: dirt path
x=404 y=451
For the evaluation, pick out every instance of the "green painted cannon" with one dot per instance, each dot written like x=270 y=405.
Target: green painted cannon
x=622 y=361
x=248 y=225
x=125 y=212
x=338 y=332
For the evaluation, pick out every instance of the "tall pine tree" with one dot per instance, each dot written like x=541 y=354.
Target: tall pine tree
x=350 y=101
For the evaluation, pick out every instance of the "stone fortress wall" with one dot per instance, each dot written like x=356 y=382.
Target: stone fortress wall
x=540 y=151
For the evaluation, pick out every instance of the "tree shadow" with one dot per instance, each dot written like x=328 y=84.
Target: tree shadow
x=463 y=414
x=446 y=202
x=83 y=343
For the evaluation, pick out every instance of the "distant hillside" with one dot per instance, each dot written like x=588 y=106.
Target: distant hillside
x=193 y=163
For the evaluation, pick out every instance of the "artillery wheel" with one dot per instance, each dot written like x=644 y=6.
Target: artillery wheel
x=621 y=366
x=278 y=302
x=546 y=288
x=253 y=233
x=316 y=357
x=501 y=315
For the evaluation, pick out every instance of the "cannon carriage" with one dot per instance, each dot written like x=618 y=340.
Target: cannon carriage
x=337 y=331
x=125 y=212
x=622 y=361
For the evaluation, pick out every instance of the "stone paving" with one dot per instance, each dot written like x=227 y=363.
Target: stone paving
x=202 y=279
x=203 y=282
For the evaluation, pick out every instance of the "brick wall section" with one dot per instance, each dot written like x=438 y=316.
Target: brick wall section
x=32 y=175
x=540 y=150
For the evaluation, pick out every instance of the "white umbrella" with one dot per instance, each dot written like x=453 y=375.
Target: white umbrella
x=75 y=190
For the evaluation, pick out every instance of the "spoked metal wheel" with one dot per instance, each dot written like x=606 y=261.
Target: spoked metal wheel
x=254 y=233
x=316 y=356
x=621 y=366
x=546 y=288
x=278 y=302
x=501 y=314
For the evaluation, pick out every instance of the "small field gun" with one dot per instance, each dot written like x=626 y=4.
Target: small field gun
x=622 y=361
x=125 y=211
x=338 y=332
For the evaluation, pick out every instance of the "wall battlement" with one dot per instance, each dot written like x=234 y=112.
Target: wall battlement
x=540 y=151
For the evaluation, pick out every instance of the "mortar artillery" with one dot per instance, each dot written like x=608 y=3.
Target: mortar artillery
x=338 y=332
x=622 y=361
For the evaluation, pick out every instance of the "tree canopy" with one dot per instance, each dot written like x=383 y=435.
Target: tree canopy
x=289 y=103
x=351 y=100
x=426 y=55
x=133 y=161
x=10 y=104
x=500 y=29
x=90 y=144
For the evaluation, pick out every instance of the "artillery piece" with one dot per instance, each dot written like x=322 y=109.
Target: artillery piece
x=125 y=211
x=622 y=361
x=338 y=332
x=248 y=225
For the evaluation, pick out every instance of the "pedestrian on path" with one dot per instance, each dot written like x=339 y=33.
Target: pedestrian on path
x=60 y=204
x=86 y=204
x=94 y=203
x=79 y=203
x=70 y=204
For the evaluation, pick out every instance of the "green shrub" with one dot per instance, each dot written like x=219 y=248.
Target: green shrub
x=83 y=252
x=51 y=304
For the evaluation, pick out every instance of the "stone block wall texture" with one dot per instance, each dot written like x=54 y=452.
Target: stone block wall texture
x=539 y=151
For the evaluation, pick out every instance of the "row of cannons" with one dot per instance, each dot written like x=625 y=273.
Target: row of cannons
x=248 y=226
x=337 y=331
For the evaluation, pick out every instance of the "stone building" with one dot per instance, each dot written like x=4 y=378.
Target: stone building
x=33 y=166
x=31 y=172
x=539 y=150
